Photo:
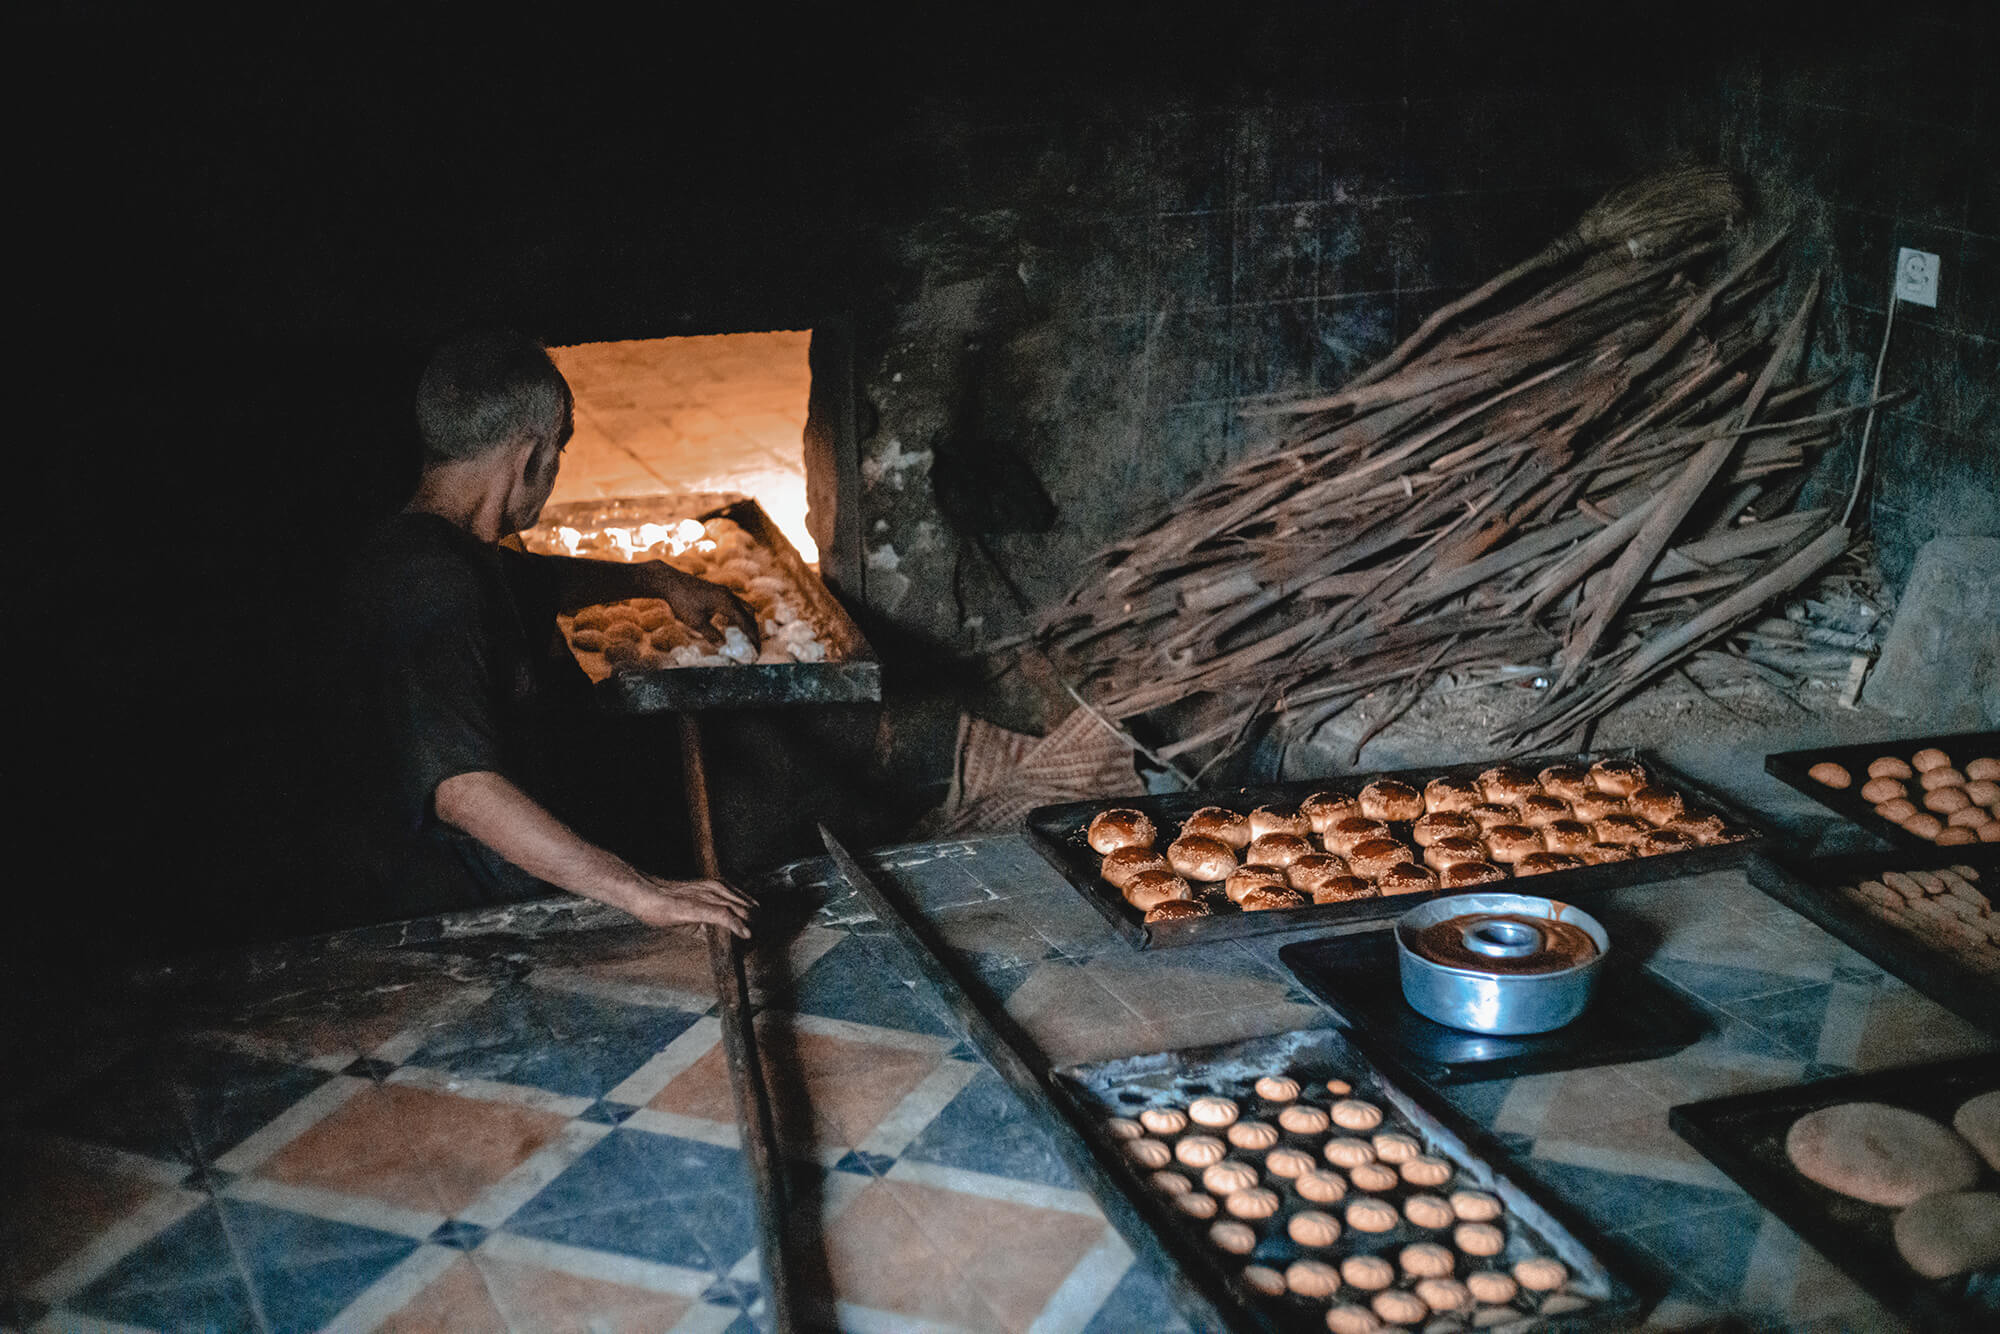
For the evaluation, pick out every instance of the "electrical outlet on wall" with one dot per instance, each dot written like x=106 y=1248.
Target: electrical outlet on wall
x=1917 y=277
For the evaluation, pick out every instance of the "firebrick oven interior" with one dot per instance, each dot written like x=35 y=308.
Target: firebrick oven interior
x=1331 y=668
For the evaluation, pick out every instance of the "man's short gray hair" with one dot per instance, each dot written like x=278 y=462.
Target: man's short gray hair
x=486 y=389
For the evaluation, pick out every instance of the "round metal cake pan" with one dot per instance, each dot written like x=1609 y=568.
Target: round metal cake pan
x=1495 y=1002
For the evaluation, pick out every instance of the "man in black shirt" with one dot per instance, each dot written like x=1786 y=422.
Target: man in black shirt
x=460 y=675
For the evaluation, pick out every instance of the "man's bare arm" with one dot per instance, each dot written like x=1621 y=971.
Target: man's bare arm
x=506 y=819
x=581 y=582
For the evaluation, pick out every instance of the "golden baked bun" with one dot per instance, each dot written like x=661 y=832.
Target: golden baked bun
x=1930 y=780
x=1568 y=781
x=1342 y=835
x=1278 y=850
x=1571 y=836
x=1177 y=910
x=1452 y=794
x=1201 y=858
x=1373 y=856
x=1619 y=777
x=1702 y=826
x=1149 y=889
x=1227 y=826
x=1897 y=811
x=1120 y=828
x=1658 y=804
x=1829 y=774
x=1665 y=840
x=1451 y=851
x=1883 y=789
x=1345 y=889
x=1594 y=806
x=1888 y=766
x=1121 y=864
x=1599 y=853
x=1540 y=808
x=1246 y=878
x=1388 y=799
x=1506 y=784
x=1510 y=842
x=1489 y=813
x=1464 y=875
x=1271 y=900
x=1314 y=869
x=1321 y=809
x=1622 y=829
x=1971 y=817
x=1924 y=825
x=1277 y=820
x=1984 y=769
x=1543 y=863
x=1983 y=791
x=1407 y=878
x=1945 y=800
x=1928 y=759
x=1434 y=825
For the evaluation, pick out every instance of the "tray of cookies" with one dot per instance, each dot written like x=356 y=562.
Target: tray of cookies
x=1295 y=1175
x=1362 y=849
x=1917 y=792
x=1926 y=917
x=1893 y=1175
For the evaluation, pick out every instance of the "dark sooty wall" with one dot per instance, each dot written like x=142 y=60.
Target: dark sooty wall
x=1072 y=251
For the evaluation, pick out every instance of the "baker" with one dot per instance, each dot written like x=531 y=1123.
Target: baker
x=459 y=687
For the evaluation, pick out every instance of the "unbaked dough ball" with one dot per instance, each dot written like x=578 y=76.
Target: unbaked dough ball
x=1978 y=1120
x=1948 y=1234
x=1879 y=1153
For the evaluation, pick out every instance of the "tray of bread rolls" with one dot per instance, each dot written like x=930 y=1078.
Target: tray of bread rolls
x=1916 y=792
x=1360 y=849
x=1929 y=918
x=1297 y=1177
x=1892 y=1175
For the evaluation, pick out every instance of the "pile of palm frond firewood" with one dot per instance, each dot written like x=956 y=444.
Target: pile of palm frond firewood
x=1587 y=463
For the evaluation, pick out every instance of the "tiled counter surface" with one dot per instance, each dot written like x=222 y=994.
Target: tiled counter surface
x=536 y=1133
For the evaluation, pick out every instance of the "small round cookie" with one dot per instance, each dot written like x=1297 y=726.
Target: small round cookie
x=1407 y=878
x=1170 y=1183
x=1302 y=1118
x=1594 y=806
x=1273 y=900
x=1346 y=1151
x=1370 y=1215
x=1435 y=825
x=1443 y=1295
x=1264 y=1279
x=1236 y=1238
x=1124 y=1127
x=1449 y=852
x=1657 y=804
x=1425 y=1170
x=1507 y=785
x=1257 y=1202
x=1490 y=813
x=1178 y=910
x=1888 y=766
x=1371 y=857
x=1198 y=858
x=1393 y=1147
x=1312 y=1278
x=1661 y=841
x=1451 y=794
x=1320 y=1187
x=1346 y=1319
x=1428 y=1211
x=1372 y=1177
x=1540 y=808
x=1475 y=1206
x=1464 y=875
x=1355 y=1114
x=1619 y=777
x=1200 y=1150
x=1288 y=1162
x=1928 y=759
x=1196 y=1205
x=1481 y=1239
x=1570 y=836
x=1227 y=1177
x=1219 y=823
x=1321 y=809
x=1543 y=863
x=1599 y=853
x=1121 y=864
x=1213 y=1112
x=1977 y=1120
x=1941 y=1235
x=1541 y=1274
x=1148 y=1153
x=1120 y=828
x=1426 y=1259
x=1164 y=1120
x=1310 y=872
x=1568 y=781
x=1343 y=834
x=1255 y=1136
x=1310 y=1227
x=1246 y=878
x=1510 y=842
x=1149 y=889
x=1396 y=1307
x=1492 y=1287
x=1279 y=850
x=1622 y=829
x=1277 y=820
x=1369 y=1273
x=1883 y=789
x=1346 y=889
x=1388 y=799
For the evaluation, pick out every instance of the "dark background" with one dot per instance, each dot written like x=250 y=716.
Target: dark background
x=245 y=236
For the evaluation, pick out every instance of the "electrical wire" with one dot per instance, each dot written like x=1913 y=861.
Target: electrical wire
x=1874 y=392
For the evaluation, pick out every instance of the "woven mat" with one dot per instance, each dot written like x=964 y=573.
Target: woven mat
x=1002 y=775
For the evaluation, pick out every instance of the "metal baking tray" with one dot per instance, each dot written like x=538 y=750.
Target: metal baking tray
x=1789 y=767
x=1744 y=1135
x=852 y=673
x=1808 y=888
x=1091 y=1093
x=1057 y=832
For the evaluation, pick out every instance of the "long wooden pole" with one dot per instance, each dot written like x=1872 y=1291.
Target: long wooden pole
x=739 y=1045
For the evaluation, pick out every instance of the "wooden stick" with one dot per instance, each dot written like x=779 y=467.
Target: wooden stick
x=739 y=1044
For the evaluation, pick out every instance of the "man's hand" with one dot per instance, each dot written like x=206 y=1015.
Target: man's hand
x=696 y=601
x=658 y=902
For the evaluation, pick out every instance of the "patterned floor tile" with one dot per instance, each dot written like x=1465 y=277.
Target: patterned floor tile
x=1904 y=1028
x=1555 y=1104
x=560 y=1041
x=1138 y=1302
x=1792 y=1018
x=934 y=883
x=851 y=982
x=986 y=1129
x=455 y=1302
x=186 y=1277
x=539 y=1299
x=55 y=1200
x=1156 y=985
x=879 y=1256
x=1636 y=1201
x=1709 y=1251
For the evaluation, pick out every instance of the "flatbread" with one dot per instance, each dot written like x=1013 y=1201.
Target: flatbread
x=1878 y=1153
x=1941 y=1235
x=1978 y=1119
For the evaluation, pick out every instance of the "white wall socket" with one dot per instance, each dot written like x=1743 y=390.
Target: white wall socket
x=1917 y=277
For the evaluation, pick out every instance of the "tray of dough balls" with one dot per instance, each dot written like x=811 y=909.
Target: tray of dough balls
x=1180 y=868
x=1926 y=917
x=644 y=660
x=1893 y=1175
x=1919 y=792
x=1289 y=1174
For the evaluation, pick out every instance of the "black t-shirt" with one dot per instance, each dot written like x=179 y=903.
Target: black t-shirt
x=454 y=665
